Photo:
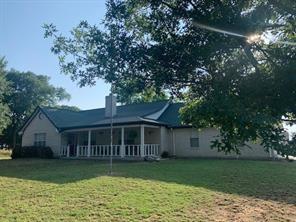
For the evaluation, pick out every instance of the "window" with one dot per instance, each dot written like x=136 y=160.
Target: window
x=40 y=139
x=194 y=142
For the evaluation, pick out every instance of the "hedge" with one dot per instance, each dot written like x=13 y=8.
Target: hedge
x=32 y=152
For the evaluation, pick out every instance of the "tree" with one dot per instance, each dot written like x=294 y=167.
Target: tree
x=4 y=90
x=129 y=95
x=232 y=62
x=71 y=108
x=28 y=91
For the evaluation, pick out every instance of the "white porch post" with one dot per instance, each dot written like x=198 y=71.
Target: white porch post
x=77 y=150
x=89 y=143
x=68 y=150
x=77 y=146
x=122 y=149
x=142 y=140
x=162 y=140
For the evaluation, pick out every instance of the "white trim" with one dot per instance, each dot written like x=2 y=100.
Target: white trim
x=29 y=121
x=108 y=127
x=142 y=140
x=122 y=148
x=68 y=150
x=89 y=143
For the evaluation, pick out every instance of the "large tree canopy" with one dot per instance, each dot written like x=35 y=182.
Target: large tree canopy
x=232 y=62
x=130 y=95
x=28 y=91
x=4 y=90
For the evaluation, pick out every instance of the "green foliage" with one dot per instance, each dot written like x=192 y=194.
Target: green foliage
x=165 y=154
x=127 y=95
x=242 y=88
x=288 y=149
x=32 y=151
x=28 y=91
x=72 y=108
x=4 y=90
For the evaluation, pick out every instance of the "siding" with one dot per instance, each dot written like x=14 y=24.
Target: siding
x=183 y=149
x=43 y=125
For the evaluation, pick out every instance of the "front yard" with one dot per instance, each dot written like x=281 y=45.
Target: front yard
x=170 y=190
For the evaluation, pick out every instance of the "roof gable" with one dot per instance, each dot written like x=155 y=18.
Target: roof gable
x=172 y=116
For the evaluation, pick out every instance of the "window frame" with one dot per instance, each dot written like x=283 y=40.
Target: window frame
x=40 y=139
x=192 y=144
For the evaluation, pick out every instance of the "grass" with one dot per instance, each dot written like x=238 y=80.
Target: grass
x=170 y=190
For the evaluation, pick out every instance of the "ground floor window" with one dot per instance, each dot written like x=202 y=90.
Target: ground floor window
x=40 y=139
x=194 y=142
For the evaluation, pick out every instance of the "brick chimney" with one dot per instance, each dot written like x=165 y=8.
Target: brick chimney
x=110 y=105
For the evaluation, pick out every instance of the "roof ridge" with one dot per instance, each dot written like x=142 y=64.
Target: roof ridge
x=131 y=104
x=142 y=103
x=59 y=108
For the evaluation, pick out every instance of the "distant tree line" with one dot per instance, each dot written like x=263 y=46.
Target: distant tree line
x=20 y=94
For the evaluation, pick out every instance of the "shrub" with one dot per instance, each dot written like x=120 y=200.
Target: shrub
x=16 y=153
x=45 y=152
x=32 y=152
x=165 y=154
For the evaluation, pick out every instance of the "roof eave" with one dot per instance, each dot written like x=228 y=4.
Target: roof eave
x=62 y=129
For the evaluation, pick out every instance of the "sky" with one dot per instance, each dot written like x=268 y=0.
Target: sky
x=25 y=49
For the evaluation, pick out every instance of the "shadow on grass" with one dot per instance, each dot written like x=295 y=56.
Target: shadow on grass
x=260 y=179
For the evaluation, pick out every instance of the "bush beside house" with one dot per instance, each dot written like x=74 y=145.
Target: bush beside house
x=32 y=152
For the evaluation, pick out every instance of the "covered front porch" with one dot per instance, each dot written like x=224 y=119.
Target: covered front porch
x=136 y=141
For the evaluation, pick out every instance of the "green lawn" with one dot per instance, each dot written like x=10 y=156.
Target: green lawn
x=170 y=190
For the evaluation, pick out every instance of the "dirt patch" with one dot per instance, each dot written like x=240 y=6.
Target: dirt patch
x=227 y=207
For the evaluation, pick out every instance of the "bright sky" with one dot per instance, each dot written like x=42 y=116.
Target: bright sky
x=25 y=49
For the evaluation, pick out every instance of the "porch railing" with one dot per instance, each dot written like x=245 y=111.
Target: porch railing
x=132 y=150
x=151 y=150
x=64 y=150
x=105 y=150
x=82 y=151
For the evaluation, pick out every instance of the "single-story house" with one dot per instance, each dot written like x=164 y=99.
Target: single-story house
x=139 y=130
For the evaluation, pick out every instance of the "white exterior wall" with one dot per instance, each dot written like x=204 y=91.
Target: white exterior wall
x=43 y=125
x=152 y=135
x=164 y=139
x=183 y=149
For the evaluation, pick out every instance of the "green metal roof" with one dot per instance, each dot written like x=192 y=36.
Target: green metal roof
x=171 y=115
x=126 y=114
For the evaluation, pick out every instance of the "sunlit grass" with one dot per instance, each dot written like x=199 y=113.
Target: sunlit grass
x=171 y=190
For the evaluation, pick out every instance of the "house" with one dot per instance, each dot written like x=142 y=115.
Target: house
x=139 y=130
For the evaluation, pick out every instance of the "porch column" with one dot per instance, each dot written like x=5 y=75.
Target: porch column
x=78 y=142
x=142 y=140
x=77 y=150
x=68 y=150
x=122 y=149
x=89 y=143
x=162 y=140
